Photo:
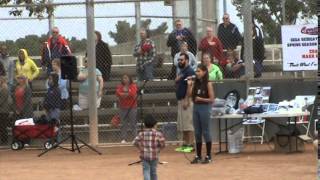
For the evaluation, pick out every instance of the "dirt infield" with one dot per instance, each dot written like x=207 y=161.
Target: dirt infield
x=255 y=163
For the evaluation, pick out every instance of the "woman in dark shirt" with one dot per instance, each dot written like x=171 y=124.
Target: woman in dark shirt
x=201 y=91
x=4 y=110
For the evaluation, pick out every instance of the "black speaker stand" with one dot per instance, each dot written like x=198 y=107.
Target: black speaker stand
x=74 y=139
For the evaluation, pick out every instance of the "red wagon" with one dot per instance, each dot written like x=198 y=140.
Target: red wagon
x=24 y=133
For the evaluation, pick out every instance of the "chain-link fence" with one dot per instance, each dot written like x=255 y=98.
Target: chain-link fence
x=138 y=39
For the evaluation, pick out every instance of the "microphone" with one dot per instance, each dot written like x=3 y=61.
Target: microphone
x=193 y=77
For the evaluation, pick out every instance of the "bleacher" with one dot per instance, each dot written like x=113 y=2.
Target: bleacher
x=158 y=98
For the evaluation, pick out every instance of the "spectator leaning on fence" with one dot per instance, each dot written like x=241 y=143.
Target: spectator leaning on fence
x=22 y=98
x=8 y=66
x=201 y=91
x=63 y=83
x=228 y=33
x=4 y=110
x=145 y=53
x=127 y=94
x=213 y=70
x=149 y=142
x=212 y=45
x=55 y=47
x=179 y=35
x=192 y=59
x=25 y=66
x=185 y=106
x=103 y=57
x=84 y=86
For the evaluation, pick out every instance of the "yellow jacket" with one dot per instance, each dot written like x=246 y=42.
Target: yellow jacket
x=29 y=69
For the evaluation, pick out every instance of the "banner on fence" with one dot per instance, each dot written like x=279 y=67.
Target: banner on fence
x=300 y=47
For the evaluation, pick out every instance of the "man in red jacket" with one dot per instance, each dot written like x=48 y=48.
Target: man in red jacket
x=55 y=47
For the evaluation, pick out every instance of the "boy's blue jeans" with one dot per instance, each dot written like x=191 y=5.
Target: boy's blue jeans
x=150 y=169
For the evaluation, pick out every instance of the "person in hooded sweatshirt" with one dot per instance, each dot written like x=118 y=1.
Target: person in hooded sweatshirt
x=25 y=66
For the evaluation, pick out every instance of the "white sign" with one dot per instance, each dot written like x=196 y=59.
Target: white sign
x=300 y=47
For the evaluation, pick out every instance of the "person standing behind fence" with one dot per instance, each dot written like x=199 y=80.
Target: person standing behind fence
x=103 y=57
x=84 y=86
x=258 y=50
x=63 y=83
x=228 y=33
x=176 y=37
x=212 y=45
x=149 y=142
x=145 y=53
x=127 y=94
x=201 y=91
x=8 y=66
x=192 y=59
x=4 y=110
x=22 y=99
x=55 y=47
x=213 y=70
x=185 y=107
x=25 y=66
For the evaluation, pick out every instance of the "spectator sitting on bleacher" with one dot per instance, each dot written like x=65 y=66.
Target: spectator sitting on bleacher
x=55 y=47
x=235 y=66
x=127 y=93
x=25 y=66
x=213 y=70
x=145 y=53
x=22 y=102
x=63 y=83
x=84 y=86
x=192 y=59
x=4 y=110
x=52 y=99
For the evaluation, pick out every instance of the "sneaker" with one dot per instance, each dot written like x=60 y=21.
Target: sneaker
x=185 y=149
x=123 y=141
x=207 y=160
x=196 y=160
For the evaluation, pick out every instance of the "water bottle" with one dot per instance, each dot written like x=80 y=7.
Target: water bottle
x=115 y=105
x=240 y=105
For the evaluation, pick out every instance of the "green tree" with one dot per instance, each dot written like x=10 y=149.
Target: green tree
x=269 y=14
x=33 y=44
x=35 y=7
x=126 y=33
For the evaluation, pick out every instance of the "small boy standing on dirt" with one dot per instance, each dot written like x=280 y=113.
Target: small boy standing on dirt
x=149 y=142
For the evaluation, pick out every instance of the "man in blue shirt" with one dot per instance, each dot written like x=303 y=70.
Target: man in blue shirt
x=185 y=106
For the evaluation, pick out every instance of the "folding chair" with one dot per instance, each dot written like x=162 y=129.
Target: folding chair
x=305 y=122
x=260 y=123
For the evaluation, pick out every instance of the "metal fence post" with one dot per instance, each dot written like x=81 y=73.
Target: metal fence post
x=248 y=52
x=193 y=17
x=93 y=118
x=50 y=19
x=138 y=20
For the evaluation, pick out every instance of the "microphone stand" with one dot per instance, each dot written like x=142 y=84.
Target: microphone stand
x=140 y=96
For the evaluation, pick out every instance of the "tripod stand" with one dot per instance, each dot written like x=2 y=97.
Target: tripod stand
x=74 y=139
